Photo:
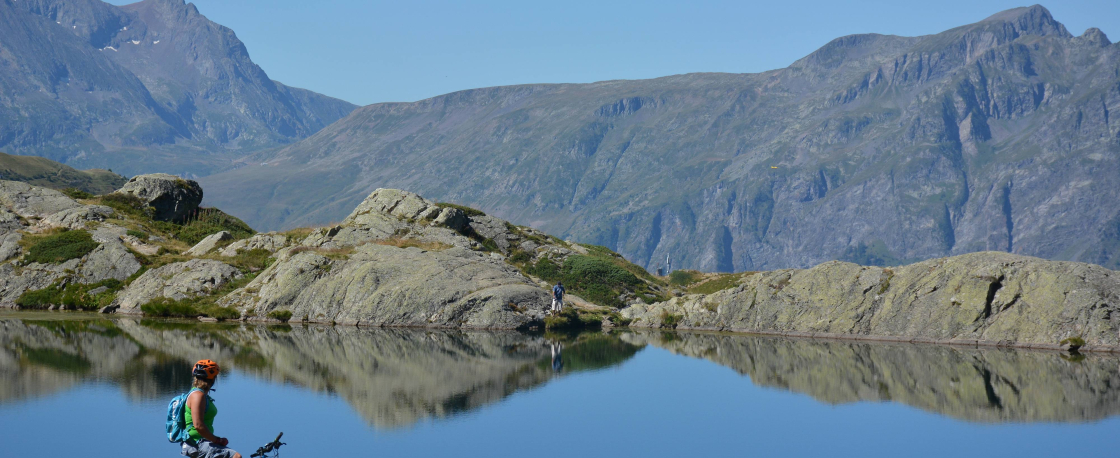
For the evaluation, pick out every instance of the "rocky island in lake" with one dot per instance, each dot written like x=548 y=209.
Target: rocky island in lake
x=399 y=260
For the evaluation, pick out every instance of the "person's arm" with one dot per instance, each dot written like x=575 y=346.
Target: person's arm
x=197 y=402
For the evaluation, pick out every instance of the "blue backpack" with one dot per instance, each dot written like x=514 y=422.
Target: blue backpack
x=176 y=426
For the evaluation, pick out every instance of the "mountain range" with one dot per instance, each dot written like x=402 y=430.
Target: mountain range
x=151 y=86
x=998 y=135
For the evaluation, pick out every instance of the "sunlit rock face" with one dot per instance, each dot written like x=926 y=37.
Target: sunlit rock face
x=989 y=298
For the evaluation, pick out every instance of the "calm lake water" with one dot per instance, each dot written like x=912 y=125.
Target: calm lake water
x=89 y=386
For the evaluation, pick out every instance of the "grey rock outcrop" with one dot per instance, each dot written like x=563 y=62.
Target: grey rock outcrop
x=14 y=281
x=209 y=243
x=109 y=260
x=391 y=264
x=78 y=217
x=9 y=246
x=986 y=298
x=271 y=242
x=176 y=281
x=385 y=285
x=173 y=198
x=32 y=201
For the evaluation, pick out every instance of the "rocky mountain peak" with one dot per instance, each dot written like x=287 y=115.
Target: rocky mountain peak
x=1095 y=37
x=1031 y=20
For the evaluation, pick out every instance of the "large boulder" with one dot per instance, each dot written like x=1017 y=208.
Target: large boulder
x=176 y=281
x=173 y=198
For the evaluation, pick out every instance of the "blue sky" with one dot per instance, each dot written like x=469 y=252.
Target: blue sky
x=386 y=51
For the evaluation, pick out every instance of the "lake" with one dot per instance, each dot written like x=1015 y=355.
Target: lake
x=91 y=386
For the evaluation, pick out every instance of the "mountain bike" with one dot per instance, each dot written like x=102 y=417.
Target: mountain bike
x=271 y=449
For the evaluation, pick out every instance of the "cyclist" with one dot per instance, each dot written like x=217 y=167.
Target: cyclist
x=199 y=416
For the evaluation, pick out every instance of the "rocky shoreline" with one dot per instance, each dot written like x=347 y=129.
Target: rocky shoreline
x=977 y=299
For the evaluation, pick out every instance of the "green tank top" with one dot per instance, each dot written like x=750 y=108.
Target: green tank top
x=208 y=418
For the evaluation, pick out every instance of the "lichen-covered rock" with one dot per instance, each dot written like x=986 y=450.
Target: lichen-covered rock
x=209 y=243
x=78 y=217
x=389 y=286
x=110 y=260
x=9 y=246
x=173 y=198
x=978 y=298
x=271 y=241
x=9 y=222
x=32 y=201
x=176 y=281
x=394 y=202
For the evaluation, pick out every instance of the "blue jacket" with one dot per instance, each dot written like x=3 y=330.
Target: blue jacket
x=558 y=292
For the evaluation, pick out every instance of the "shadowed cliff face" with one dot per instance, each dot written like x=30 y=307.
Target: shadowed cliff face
x=392 y=378
x=985 y=385
x=999 y=135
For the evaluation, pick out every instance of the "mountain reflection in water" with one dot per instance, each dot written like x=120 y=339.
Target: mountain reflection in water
x=392 y=377
x=397 y=377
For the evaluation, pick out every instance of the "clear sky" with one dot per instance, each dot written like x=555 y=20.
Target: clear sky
x=368 y=51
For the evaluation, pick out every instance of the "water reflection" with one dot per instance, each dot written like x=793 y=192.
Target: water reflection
x=391 y=377
x=975 y=384
x=395 y=378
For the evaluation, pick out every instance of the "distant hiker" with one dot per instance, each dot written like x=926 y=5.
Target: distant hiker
x=199 y=416
x=557 y=297
x=557 y=358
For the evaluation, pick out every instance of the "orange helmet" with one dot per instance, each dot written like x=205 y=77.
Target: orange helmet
x=206 y=369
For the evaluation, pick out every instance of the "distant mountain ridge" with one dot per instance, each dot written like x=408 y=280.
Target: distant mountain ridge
x=149 y=86
x=40 y=171
x=999 y=135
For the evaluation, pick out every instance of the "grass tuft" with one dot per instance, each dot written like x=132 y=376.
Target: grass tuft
x=59 y=247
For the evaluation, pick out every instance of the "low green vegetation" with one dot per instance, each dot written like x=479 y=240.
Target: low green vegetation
x=211 y=221
x=574 y=319
x=74 y=296
x=601 y=276
x=200 y=306
x=250 y=260
x=719 y=283
x=684 y=278
x=282 y=315
x=59 y=247
x=75 y=193
x=204 y=222
x=670 y=320
x=1073 y=342
x=138 y=234
x=188 y=308
x=40 y=171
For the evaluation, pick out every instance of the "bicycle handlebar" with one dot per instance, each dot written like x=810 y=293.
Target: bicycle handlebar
x=269 y=447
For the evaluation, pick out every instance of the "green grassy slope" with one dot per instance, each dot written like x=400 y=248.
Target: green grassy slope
x=44 y=172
